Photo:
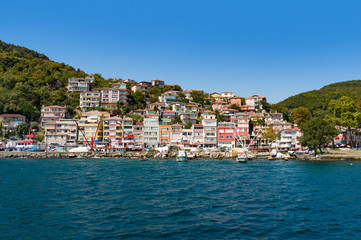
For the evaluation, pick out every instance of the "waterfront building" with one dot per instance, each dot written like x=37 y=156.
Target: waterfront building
x=176 y=134
x=198 y=134
x=138 y=131
x=289 y=140
x=226 y=134
x=187 y=136
x=91 y=125
x=165 y=132
x=63 y=132
x=112 y=130
x=241 y=121
x=89 y=99
x=209 y=122
x=52 y=113
x=10 y=121
x=151 y=131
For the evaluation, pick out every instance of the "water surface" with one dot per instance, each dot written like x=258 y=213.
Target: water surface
x=165 y=199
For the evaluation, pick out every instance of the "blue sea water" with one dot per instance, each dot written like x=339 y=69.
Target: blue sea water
x=165 y=199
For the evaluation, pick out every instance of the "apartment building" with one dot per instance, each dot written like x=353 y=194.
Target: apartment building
x=138 y=130
x=198 y=134
x=63 y=132
x=157 y=83
x=139 y=87
x=91 y=125
x=226 y=134
x=165 y=132
x=10 y=121
x=241 y=121
x=89 y=99
x=112 y=130
x=209 y=122
x=112 y=95
x=176 y=134
x=51 y=114
x=151 y=132
x=79 y=84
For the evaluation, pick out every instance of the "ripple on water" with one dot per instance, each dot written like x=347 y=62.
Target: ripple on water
x=162 y=199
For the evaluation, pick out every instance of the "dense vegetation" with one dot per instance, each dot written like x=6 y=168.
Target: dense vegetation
x=317 y=100
x=29 y=80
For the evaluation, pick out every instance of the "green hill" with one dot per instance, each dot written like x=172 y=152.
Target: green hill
x=29 y=80
x=317 y=100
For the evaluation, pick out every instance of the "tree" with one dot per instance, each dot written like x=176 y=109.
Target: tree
x=345 y=114
x=188 y=125
x=301 y=115
x=265 y=105
x=198 y=97
x=233 y=106
x=220 y=117
x=181 y=97
x=22 y=129
x=317 y=133
x=177 y=120
x=270 y=134
x=177 y=88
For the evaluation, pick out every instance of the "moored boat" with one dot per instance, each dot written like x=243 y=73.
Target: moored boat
x=181 y=156
x=242 y=157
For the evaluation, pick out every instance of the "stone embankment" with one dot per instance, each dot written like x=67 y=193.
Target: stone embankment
x=173 y=154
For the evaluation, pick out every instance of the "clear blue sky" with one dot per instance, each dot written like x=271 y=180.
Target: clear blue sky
x=272 y=48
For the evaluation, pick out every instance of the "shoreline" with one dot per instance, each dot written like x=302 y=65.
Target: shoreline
x=157 y=155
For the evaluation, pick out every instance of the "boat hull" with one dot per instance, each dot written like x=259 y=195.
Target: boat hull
x=181 y=159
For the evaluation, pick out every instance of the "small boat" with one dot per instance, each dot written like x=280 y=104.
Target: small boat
x=181 y=156
x=242 y=157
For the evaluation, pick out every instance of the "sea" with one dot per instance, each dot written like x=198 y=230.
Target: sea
x=164 y=199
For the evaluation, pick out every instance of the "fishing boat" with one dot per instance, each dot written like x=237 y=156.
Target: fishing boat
x=29 y=143
x=242 y=157
x=181 y=156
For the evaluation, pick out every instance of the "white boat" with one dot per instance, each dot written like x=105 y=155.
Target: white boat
x=242 y=157
x=181 y=156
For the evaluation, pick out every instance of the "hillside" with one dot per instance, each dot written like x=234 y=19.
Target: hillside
x=29 y=80
x=317 y=100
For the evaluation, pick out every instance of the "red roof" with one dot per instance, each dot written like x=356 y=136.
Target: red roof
x=54 y=106
x=11 y=115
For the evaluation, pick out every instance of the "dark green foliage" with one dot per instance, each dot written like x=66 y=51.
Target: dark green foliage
x=177 y=120
x=188 y=125
x=137 y=117
x=22 y=129
x=301 y=115
x=136 y=100
x=317 y=133
x=29 y=80
x=220 y=117
x=233 y=106
x=100 y=82
x=317 y=100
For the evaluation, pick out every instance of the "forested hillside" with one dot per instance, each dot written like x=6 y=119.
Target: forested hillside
x=317 y=100
x=29 y=80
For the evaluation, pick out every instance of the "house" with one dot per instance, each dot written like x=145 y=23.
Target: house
x=129 y=80
x=255 y=100
x=248 y=109
x=140 y=88
x=109 y=107
x=274 y=117
x=157 y=83
x=217 y=97
x=188 y=117
x=209 y=122
x=176 y=134
x=179 y=108
x=10 y=121
x=169 y=97
x=191 y=108
x=169 y=114
x=140 y=112
x=187 y=93
x=79 y=84
x=219 y=105
x=187 y=136
x=119 y=85
x=151 y=131
x=52 y=113
x=227 y=95
x=112 y=95
x=280 y=125
x=226 y=134
x=145 y=84
x=63 y=132
x=289 y=140
x=89 y=99
x=91 y=126
x=236 y=101
x=228 y=113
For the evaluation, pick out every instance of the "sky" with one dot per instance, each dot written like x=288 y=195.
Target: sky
x=273 y=48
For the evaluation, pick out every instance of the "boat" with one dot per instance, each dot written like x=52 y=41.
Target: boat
x=28 y=144
x=181 y=156
x=242 y=157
